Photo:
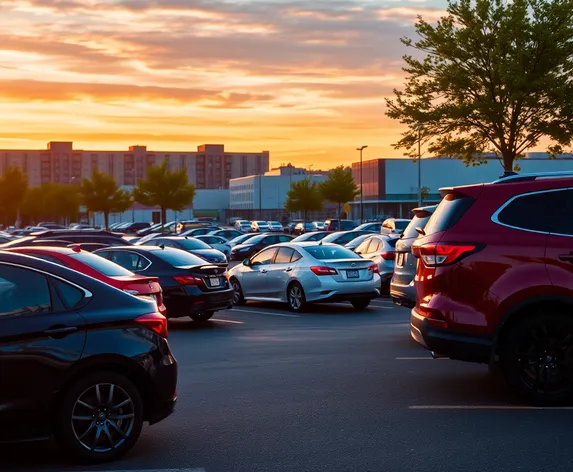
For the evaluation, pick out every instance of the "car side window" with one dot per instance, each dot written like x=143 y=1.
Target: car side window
x=54 y=260
x=538 y=212
x=69 y=294
x=105 y=254
x=374 y=245
x=264 y=257
x=284 y=255
x=363 y=246
x=295 y=256
x=16 y=298
x=284 y=239
x=128 y=260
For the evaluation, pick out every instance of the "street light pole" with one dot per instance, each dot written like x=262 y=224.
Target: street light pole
x=360 y=149
x=420 y=128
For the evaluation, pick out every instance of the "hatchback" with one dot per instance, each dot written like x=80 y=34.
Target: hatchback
x=79 y=360
x=303 y=273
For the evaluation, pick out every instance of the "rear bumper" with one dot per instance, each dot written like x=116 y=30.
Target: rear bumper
x=192 y=303
x=347 y=297
x=403 y=295
x=162 y=410
x=448 y=343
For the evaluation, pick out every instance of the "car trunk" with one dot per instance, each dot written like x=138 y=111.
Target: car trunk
x=213 y=276
x=144 y=286
x=351 y=270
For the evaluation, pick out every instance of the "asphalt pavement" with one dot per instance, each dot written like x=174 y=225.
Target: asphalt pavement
x=264 y=390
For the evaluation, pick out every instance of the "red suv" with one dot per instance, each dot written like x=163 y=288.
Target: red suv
x=494 y=281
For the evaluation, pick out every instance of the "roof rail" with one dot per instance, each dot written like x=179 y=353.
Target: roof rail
x=533 y=176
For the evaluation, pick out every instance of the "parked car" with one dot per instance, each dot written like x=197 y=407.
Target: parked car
x=394 y=226
x=193 y=233
x=495 y=281
x=353 y=244
x=101 y=269
x=69 y=236
x=50 y=225
x=134 y=227
x=375 y=227
x=5 y=239
x=218 y=243
x=191 y=286
x=291 y=226
x=302 y=228
x=315 y=236
x=339 y=225
x=275 y=226
x=226 y=233
x=256 y=243
x=79 y=360
x=243 y=226
x=320 y=226
x=191 y=245
x=381 y=251
x=234 y=219
x=402 y=288
x=240 y=239
x=303 y=273
x=259 y=227
x=343 y=237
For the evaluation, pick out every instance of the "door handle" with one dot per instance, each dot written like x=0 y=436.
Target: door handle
x=566 y=257
x=60 y=331
x=288 y=269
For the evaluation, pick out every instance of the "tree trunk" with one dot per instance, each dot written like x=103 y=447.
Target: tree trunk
x=105 y=219
x=163 y=216
x=508 y=159
x=339 y=210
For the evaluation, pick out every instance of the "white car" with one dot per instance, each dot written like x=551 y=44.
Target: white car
x=275 y=226
x=243 y=226
x=302 y=273
x=319 y=225
x=216 y=242
x=259 y=227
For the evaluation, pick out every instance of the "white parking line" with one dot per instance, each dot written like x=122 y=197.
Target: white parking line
x=486 y=407
x=227 y=321
x=428 y=357
x=256 y=312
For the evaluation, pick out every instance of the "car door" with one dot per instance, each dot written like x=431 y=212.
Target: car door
x=41 y=336
x=279 y=273
x=254 y=278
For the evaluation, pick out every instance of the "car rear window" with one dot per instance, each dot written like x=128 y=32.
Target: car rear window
x=179 y=258
x=419 y=221
x=401 y=224
x=392 y=241
x=450 y=210
x=103 y=266
x=325 y=253
x=191 y=244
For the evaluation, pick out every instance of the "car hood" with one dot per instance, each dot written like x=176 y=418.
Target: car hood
x=238 y=247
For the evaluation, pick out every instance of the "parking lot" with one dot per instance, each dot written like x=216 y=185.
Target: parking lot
x=262 y=389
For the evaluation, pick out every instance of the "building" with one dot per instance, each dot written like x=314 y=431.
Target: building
x=390 y=186
x=210 y=167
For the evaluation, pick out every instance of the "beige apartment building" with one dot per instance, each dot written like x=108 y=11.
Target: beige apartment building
x=210 y=167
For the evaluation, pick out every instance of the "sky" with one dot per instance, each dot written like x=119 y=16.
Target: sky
x=305 y=80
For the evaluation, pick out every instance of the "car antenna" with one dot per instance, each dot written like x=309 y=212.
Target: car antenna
x=162 y=246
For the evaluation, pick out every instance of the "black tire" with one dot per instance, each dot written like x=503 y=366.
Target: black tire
x=202 y=317
x=296 y=298
x=238 y=299
x=361 y=303
x=76 y=432
x=537 y=358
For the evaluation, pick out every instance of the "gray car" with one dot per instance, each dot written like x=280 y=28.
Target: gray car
x=402 y=288
x=380 y=250
x=303 y=273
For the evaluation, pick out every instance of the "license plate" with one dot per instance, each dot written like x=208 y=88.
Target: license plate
x=352 y=274
x=215 y=282
x=400 y=260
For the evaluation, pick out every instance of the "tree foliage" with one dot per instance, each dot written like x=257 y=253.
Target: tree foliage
x=51 y=202
x=495 y=76
x=101 y=194
x=166 y=189
x=13 y=188
x=304 y=196
x=339 y=188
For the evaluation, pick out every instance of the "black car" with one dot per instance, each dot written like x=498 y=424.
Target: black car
x=256 y=243
x=79 y=360
x=134 y=227
x=192 y=245
x=71 y=236
x=191 y=286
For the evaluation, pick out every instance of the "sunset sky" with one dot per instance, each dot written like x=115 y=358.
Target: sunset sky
x=305 y=80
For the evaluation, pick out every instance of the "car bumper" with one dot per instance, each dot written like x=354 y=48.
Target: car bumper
x=447 y=343
x=190 y=302
x=332 y=291
x=403 y=295
x=162 y=410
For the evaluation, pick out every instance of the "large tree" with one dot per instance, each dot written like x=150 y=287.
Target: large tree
x=13 y=188
x=166 y=189
x=339 y=188
x=491 y=75
x=304 y=196
x=101 y=194
x=52 y=202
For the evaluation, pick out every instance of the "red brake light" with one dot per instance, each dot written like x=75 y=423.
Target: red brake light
x=188 y=280
x=374 y=269
x=388 y=256
x=155 y=322
x=441 y=254
x=323 y=270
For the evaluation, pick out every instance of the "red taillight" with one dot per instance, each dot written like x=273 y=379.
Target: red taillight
x=188 y=280
x=323 y=270
x=155 y=322
x=374 y=269
x=388 y=256
x=441 y=254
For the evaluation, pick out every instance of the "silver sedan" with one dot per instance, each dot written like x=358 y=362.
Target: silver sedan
x=303 y=273
x=382 y=251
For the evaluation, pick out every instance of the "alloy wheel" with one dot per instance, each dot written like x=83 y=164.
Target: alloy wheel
x=236 y=292
x=103 y=417
x=295 y=297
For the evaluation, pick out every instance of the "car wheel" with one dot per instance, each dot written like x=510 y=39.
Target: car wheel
x=202 y=317
x=238 y=298
x=100 y=417
x=537 y=358
x=296 y=298
x=361 y=304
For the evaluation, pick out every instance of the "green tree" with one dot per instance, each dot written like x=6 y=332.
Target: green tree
x=490 y=75
x=166 y=189
x=425 y=192
x=339 y=188
x=102 y=194
x=304 y=196
x=13 y=188
x=52 y=202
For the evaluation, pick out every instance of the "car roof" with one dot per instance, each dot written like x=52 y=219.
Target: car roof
x=53 y=249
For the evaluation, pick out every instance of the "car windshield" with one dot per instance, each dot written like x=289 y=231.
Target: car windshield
x=326 y=253
x=103 y=266
x=191 y=244
x=179 y=258
x=240 y=239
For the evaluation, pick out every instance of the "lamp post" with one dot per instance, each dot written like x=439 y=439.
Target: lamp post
x=419 y=127
x=360 y=149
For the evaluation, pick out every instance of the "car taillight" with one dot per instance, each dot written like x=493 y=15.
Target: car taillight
x=188 y=280
x=433 y=317
x=388 y=256
x=322 y=270
x=374 y=269
x=441 y=254
x=155 y=322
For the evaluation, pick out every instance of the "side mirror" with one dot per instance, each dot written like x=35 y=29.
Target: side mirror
x=247 y=262
x=421 y=231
